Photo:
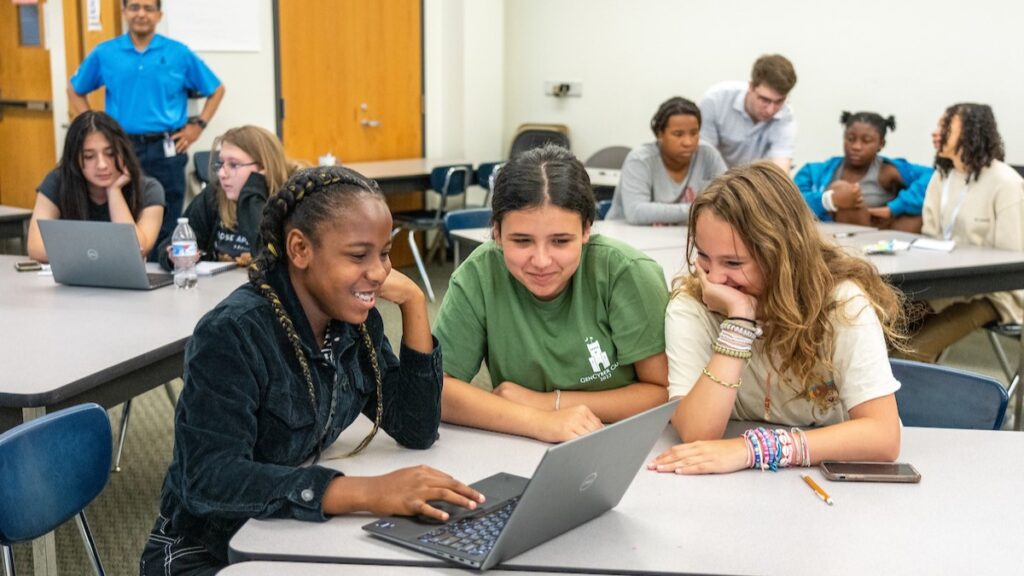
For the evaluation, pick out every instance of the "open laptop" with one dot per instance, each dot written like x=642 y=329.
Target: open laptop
x=104 y=254
x=574 y=483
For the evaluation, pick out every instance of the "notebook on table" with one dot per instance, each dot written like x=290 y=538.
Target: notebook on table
x=574 y=483
x=103 y=254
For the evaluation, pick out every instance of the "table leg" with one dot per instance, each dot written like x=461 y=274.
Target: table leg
x=44 y=548
x=1018 y=399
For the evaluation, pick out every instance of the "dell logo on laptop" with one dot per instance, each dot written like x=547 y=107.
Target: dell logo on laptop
x=588 y=481
x=92 y=254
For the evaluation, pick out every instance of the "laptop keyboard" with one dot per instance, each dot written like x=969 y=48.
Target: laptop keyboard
x=474 y=535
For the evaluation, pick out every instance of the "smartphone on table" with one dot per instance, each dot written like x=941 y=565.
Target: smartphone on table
x=28 y=266
x=870 y=471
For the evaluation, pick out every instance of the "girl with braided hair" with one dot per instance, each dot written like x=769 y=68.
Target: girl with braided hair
x=281 y=367
x=973 y=198
x=862 y=186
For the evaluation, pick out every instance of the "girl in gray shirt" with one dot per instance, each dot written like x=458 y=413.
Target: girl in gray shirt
x=660 y=179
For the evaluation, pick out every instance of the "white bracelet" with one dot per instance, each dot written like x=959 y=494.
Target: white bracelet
x=558 y=399
x=827 y=202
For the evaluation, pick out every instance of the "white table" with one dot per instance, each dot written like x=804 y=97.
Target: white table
x=309 y=569
x=962 y=518
x=65 y=345
x=406 y=174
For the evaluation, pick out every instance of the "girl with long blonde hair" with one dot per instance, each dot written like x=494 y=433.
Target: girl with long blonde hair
x=776 y=324
x=250 y=166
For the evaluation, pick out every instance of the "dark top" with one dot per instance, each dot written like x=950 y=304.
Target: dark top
x=152 y=195
x=215 y=239
x=245 y=424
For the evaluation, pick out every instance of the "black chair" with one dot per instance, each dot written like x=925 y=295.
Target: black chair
x=447 y=181
x=994 y=330
x=51 y=468
x=530 y=136
x=201 y=163
x=934 y=396
x=611 y=157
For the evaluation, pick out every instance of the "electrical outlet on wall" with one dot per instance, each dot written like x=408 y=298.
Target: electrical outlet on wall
x=563 y=89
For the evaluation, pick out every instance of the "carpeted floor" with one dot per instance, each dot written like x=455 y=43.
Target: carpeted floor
x=122 y=516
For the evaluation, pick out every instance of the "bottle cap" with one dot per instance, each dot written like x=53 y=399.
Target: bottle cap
x=182 y=220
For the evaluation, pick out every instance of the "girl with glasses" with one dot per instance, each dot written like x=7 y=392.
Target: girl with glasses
x=250 y=166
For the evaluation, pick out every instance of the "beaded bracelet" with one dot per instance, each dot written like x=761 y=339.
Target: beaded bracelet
x=716 y=380
x=731 y=352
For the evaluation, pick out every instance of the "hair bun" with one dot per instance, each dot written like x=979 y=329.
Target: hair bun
x=891 y=122
x=845 y=117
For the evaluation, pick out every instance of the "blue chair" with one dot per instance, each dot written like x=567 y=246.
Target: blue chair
x=603 y=207
x=933 y=396
x=447 y=181
x=463 y=219
x=51 y=468
x=201 y=163
x=485 y=175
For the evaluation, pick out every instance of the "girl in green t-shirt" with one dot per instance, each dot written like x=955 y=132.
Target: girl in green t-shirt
x=571 y=325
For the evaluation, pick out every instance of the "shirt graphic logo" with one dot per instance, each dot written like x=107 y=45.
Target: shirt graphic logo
x=598 y=357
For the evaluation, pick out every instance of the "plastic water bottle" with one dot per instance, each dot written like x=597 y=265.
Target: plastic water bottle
x=184 y=254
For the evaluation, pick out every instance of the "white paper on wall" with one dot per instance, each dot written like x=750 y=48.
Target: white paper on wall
x=220 y=26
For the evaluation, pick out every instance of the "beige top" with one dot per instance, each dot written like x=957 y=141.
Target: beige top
x=986 y=212
x=861 y=364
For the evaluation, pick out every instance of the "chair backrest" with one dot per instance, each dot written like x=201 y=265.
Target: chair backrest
x=611 y=157
x=603 y=207
x=530 y=136
x=933 y=396
x=467 y=218
x=450 y=180
x=50 y=469
x=484 y=172
x=1019 y=168
x=201 y=163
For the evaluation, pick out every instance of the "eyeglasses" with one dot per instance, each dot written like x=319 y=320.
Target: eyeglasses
x=766 y=101
x=147 y=8
x=229 y=166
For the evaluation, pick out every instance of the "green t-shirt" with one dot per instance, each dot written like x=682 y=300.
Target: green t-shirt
x=611 y=315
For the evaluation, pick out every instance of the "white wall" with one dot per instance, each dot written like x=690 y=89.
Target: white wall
x=910 y=59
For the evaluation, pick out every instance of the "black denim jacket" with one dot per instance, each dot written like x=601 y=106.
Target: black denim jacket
x=245 y=423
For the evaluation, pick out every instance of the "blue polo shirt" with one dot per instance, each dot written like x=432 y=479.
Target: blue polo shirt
x=146 y=91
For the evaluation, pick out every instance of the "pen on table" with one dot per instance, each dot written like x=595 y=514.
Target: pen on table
x=817 y=489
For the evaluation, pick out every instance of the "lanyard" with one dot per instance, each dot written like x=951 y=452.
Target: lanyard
x=947 y=229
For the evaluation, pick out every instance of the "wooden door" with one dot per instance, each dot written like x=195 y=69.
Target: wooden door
x=351 y=79
x=26 y=119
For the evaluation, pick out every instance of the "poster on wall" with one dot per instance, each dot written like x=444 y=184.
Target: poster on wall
x=92 y=11
x=221 y=26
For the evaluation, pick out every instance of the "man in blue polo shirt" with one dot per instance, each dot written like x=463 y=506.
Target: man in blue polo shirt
x=148 y=78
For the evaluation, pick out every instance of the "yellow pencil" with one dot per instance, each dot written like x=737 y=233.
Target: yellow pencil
x=817 y=489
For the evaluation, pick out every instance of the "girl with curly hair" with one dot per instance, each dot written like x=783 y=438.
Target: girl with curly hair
x=973 y=198
x=776 y=324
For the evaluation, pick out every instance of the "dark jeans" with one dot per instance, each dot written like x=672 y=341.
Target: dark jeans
x=170 y=172
x=166 y=554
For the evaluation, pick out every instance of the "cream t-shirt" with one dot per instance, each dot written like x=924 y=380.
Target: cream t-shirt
x=861 y=364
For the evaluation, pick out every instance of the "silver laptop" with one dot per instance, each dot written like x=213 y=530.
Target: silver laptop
x=103 y=254
x=574 y=483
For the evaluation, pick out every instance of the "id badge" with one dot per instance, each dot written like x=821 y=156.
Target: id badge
x=169 y=151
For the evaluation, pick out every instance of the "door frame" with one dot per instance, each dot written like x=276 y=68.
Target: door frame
x=279 y=101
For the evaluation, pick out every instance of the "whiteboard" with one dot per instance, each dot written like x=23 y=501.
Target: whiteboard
x=214 y=26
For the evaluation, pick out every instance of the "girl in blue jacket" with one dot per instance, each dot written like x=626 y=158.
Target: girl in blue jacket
x=863 y=187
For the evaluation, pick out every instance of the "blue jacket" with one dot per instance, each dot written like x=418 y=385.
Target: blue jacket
x=813 y=179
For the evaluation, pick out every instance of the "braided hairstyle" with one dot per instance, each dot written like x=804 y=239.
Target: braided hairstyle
x=310 y=200
x=882 y=125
